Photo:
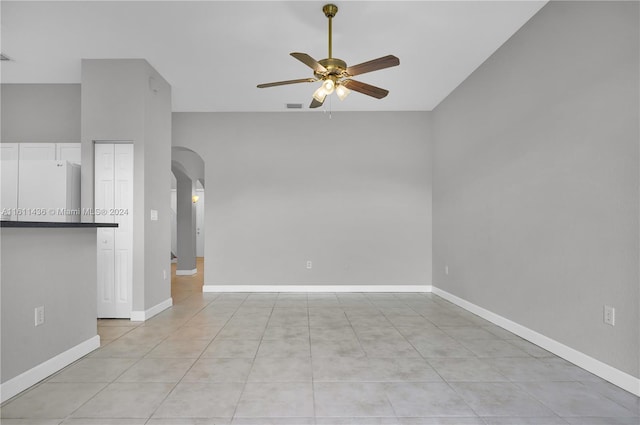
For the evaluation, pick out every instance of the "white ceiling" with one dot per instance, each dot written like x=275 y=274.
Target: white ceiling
x=213 y=53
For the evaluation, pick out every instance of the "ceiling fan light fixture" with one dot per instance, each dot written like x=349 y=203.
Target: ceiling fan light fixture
x=342 y=92
x=328 y=85
x=320 y=94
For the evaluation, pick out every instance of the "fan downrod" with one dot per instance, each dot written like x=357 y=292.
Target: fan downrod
x=330 y=11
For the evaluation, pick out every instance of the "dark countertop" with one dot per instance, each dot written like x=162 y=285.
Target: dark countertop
x=52 y=224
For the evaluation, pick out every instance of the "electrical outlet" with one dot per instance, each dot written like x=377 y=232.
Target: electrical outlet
x=609 y=315
x=309 y=264
x=446 y=269
x=39 y=315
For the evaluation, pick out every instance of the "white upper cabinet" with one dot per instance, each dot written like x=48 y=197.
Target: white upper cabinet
x=58 y=151
x=68 y=152
x=37 y=151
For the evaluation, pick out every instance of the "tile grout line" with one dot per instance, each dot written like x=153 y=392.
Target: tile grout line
x=233 y=415
x=70 y=415
x=172 y=390
x=409 y=342
x=395 y=414
x=445 y=381
x=313 y=385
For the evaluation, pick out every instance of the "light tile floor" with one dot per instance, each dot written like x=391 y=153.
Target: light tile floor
x=318 y=359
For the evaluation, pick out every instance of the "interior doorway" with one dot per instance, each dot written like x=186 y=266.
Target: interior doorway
x=188 y=216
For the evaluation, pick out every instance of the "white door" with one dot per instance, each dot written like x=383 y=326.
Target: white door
x=114 y=204
x=36 y=151
x=200 y=224
x=9 y=176
x=174 y=223
x=104 y=195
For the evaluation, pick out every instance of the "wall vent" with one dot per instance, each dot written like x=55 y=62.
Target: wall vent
x=294 y=105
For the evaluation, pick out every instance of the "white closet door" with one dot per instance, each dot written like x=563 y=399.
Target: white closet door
x=104 y=181
x=104 y=195
x=123 y=208
x=9 y=176
x=114 y=195
x=37 y=151
x=106 y=270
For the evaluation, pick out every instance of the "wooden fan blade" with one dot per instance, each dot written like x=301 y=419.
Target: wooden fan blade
x=315 y=103
x=310 y=62
x=373 y=65
x=282 y=83
x=364 y=88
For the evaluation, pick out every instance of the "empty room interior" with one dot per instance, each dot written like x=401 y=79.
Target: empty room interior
x=304 y=212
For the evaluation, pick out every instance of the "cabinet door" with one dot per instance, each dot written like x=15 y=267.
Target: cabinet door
x=68 y=152
x=9 y=176
x=37 y=151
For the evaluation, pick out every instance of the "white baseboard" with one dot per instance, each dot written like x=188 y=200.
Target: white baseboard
x=186 y=272
x=141 y=316
x=598 y=368
x=316 y=288
x=36 y=374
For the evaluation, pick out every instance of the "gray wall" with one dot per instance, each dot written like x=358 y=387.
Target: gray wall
x=44 y=113
x=536 y=180
x=41 y=113
x=63 y=282
x=185 y=222
x=119 y=103
x=351 y=192
x=157 y=188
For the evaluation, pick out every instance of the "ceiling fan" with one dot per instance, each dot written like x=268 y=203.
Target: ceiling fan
x=335 y=74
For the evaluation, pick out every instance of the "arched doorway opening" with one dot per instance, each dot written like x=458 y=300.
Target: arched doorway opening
x=187 y=221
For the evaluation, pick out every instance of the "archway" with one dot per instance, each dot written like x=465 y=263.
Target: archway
x=188 y=214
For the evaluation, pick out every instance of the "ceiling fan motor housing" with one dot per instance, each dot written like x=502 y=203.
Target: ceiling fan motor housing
x=335 y=67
